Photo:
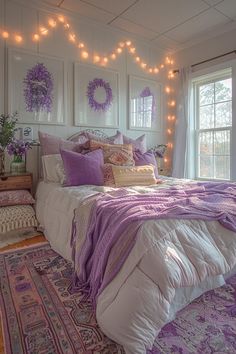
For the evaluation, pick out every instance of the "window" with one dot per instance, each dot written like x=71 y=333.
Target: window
x=213 y=125
x=141 y=111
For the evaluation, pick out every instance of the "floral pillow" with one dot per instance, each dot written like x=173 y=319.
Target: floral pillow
x=16 y=197
x=108 y=175
x=120 y=154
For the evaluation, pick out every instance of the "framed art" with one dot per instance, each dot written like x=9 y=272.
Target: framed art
x=36 y=87
x=144 y=104
x=96 y=97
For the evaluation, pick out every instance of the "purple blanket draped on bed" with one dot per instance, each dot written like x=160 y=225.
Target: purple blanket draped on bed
x=111 y=215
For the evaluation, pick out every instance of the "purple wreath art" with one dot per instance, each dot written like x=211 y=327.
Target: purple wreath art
x=146 y=93
x=38 y=89
x=93 y=104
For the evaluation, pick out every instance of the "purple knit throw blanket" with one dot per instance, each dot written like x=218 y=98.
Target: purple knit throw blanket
x=112 y=215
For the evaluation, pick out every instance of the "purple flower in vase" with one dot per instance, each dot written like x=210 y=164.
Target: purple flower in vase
x=38 y=89
x=18 y=148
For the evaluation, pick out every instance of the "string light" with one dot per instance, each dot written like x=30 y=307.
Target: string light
x=167 y=89
x=36 y=37
x=52 y=23
x=103 y=60
x=5 y=35
x=84 y=55
x=18 y=38
x=113 y=56
x=96 y=58
x=60 y=19
x=72 y=37
x=172 y=103
x=43 y=31
x=119 y=50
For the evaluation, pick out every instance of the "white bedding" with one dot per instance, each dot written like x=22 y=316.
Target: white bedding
x=127 y=309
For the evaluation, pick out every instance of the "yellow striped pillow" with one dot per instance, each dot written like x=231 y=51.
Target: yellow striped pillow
x=125 y=176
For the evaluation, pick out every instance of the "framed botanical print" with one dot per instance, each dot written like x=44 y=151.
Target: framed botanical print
x=96 y=96
x=144 y=104
x=36 y=87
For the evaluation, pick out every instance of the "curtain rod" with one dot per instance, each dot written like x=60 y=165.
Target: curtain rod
x=207 y=60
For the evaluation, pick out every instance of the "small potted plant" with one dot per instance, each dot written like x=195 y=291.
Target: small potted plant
x=18 y=149
x=7 y=130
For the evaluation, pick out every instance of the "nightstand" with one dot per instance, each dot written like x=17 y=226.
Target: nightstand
x=10 y=181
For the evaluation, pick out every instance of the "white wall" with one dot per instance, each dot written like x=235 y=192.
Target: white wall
x=21 y=16
x=208 y=49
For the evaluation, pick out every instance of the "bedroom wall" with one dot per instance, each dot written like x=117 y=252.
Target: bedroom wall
x=208 y=49
x=23 y=17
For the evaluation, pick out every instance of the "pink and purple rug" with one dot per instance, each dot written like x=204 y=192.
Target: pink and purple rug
x=41 y=315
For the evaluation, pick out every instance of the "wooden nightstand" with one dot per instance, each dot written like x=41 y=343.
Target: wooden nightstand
x=10 y=181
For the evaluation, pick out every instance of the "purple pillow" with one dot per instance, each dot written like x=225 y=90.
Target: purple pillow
x=83 y=169
x=51 y=145
x=147 y=158
x=138 y=143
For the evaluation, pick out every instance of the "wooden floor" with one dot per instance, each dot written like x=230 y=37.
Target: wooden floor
x=24 y=243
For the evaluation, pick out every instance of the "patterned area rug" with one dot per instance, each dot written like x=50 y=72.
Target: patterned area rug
x=41 y=315
x=12 y=237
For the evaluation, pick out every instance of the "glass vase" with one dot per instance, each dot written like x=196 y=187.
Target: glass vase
x=17 y=165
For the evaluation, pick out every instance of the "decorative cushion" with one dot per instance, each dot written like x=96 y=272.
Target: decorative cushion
x=116 y=139
x=15 y=197
x=108 y=175
x=119 y=154
x=138 y=143
x=17 y=217
x=148 y=158
x=53 y=168
x=133 y=176
x=83 y=169
x=51 y=144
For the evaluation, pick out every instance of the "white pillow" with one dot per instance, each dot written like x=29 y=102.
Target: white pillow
x=53 y=169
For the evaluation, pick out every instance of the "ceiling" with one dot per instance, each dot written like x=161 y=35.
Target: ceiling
x=168 y=24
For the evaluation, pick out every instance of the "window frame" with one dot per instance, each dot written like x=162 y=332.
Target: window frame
x=198 y=130
x=205 y=77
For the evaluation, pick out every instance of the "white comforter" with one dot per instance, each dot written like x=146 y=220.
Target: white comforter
x=172 y=262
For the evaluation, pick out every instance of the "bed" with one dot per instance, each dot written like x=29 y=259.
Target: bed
x=133 y=307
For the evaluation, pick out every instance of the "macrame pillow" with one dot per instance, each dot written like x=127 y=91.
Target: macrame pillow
x=16 y=197
x=17 y=217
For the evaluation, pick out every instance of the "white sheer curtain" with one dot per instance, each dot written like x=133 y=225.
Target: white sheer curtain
x=182 y=124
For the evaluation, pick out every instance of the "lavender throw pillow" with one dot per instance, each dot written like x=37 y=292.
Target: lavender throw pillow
x=138 y=143
x=147 y=158
x=51 y=145
x=83 y=169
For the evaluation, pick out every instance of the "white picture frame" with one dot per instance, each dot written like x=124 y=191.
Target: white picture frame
x=96 y=96
x=46 y=105
x=145 y=104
